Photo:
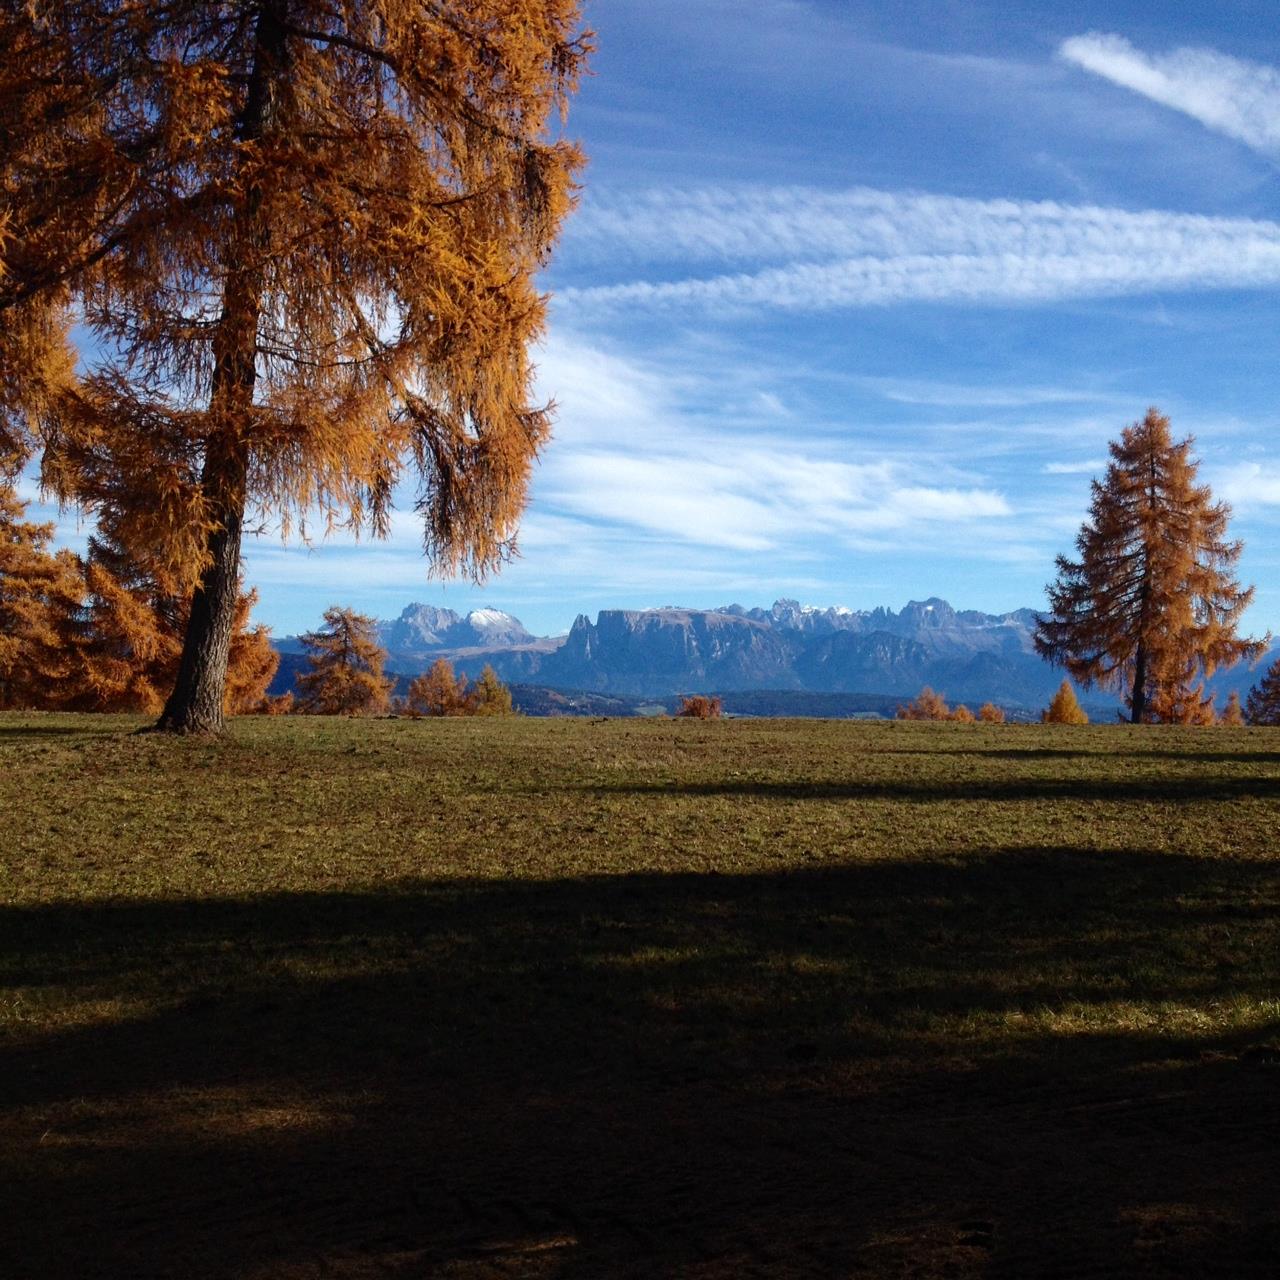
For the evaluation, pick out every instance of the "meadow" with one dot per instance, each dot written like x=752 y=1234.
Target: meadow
x=574 y=999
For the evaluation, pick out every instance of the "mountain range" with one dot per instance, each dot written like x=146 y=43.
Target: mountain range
x=787 y=648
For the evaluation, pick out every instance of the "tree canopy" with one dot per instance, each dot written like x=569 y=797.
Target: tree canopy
x=1151 y=606
x=303 y=238
x=344 y=667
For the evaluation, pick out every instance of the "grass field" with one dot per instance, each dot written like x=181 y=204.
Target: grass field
x=655 y=999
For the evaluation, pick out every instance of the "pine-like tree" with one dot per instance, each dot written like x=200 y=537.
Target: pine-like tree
x=1232 y=714
x=128 y=640
x=304 y=239
x=962 y=715
x=1151 y=606
x=489 y=696
x=1064 y=708
x=345 y=664
x=437 y=692
x=989 y=713
x=1262 y=706
x=41 y=592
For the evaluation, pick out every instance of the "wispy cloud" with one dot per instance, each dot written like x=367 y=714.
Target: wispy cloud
x=1230 y=95
x=815 y=251
x=1090 y=466
x=948 y=395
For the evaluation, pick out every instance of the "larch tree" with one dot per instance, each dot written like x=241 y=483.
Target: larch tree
x=127 y=643
x=926 y=705
x=344 y=667
x=1064 y=707
x=1262 y=706
x=1233 y=713
x=489 y=696
x=303 y=237
x=989 y=713
x=1151 y=606
x=437 y=692
x=41 y=593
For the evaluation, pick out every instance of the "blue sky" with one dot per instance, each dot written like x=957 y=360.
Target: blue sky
x=858 y=293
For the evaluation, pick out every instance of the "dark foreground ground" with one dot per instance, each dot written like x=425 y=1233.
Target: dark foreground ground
x=574 y=1000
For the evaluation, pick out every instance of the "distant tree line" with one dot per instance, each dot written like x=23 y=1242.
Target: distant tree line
x=345 y=676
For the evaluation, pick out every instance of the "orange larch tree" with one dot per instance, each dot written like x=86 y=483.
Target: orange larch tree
x=41 y=592
x=1064 y=707
x=345 y=662
x=926 y=705
x=303 y=237
x=489 y=696
x=128 y=641
x=1233 y=713
x=1151 y=606
x=437 y=692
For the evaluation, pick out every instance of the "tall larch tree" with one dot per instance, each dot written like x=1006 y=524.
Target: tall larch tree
x=1150 y=607
x=303 y=237
x=41 y=592
x=344 y=667
x=438 y=691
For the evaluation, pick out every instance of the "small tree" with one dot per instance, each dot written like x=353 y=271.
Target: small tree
x=926 y=705
x=962 y=715
x=699 y=706
x=1262 y=706
x=438 y=692
x=489 y=696
x=1232 y=714
x=989 y=713
x=346 y=661
x=40 y=597
x=129 y=640
x=1064 y=709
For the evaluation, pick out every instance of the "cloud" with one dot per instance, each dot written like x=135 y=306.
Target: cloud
x=956 y=396
x=1229 y=95
x=1250 y=484
x=1089 y=467
x=806 y=250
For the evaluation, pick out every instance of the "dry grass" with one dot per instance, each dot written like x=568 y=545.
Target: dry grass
x=554 y=998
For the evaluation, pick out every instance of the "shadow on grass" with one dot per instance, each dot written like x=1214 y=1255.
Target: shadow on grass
x=933 y=1068
x=1188 y=789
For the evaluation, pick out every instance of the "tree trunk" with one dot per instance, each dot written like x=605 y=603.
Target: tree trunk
x=1138 y=698
x=195 y=705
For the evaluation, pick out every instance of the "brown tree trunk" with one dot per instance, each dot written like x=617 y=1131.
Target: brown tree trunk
x=195 y=705
x=1138 y=698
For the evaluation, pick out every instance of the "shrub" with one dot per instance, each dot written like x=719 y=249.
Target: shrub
x=699 y=706
x=1232 y=714
x=926 y=705
x=962 y=715
x=989 y=713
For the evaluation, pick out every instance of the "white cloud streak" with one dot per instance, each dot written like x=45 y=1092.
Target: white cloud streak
x=1229 y=95
x=815 y=251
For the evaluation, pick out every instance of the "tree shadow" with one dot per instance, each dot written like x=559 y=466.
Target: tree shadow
x=927 y=1068
x=1185 y=789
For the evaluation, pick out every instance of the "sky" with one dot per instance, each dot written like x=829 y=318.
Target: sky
x=857 y=294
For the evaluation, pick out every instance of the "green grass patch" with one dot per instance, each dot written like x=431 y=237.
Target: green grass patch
x=638 y=997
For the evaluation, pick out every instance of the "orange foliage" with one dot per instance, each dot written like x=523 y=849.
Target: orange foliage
x=438 y=692
x=345 y=661
x=926 y=705
x=989 y=713
x=1064 y=708
x=305 y=240
x=1150 y=608
x=700 y=706
x=1232 y=714
x=962 y=715
x=40 y=597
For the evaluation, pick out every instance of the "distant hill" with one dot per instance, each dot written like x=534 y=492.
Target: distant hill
x=787 y=654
